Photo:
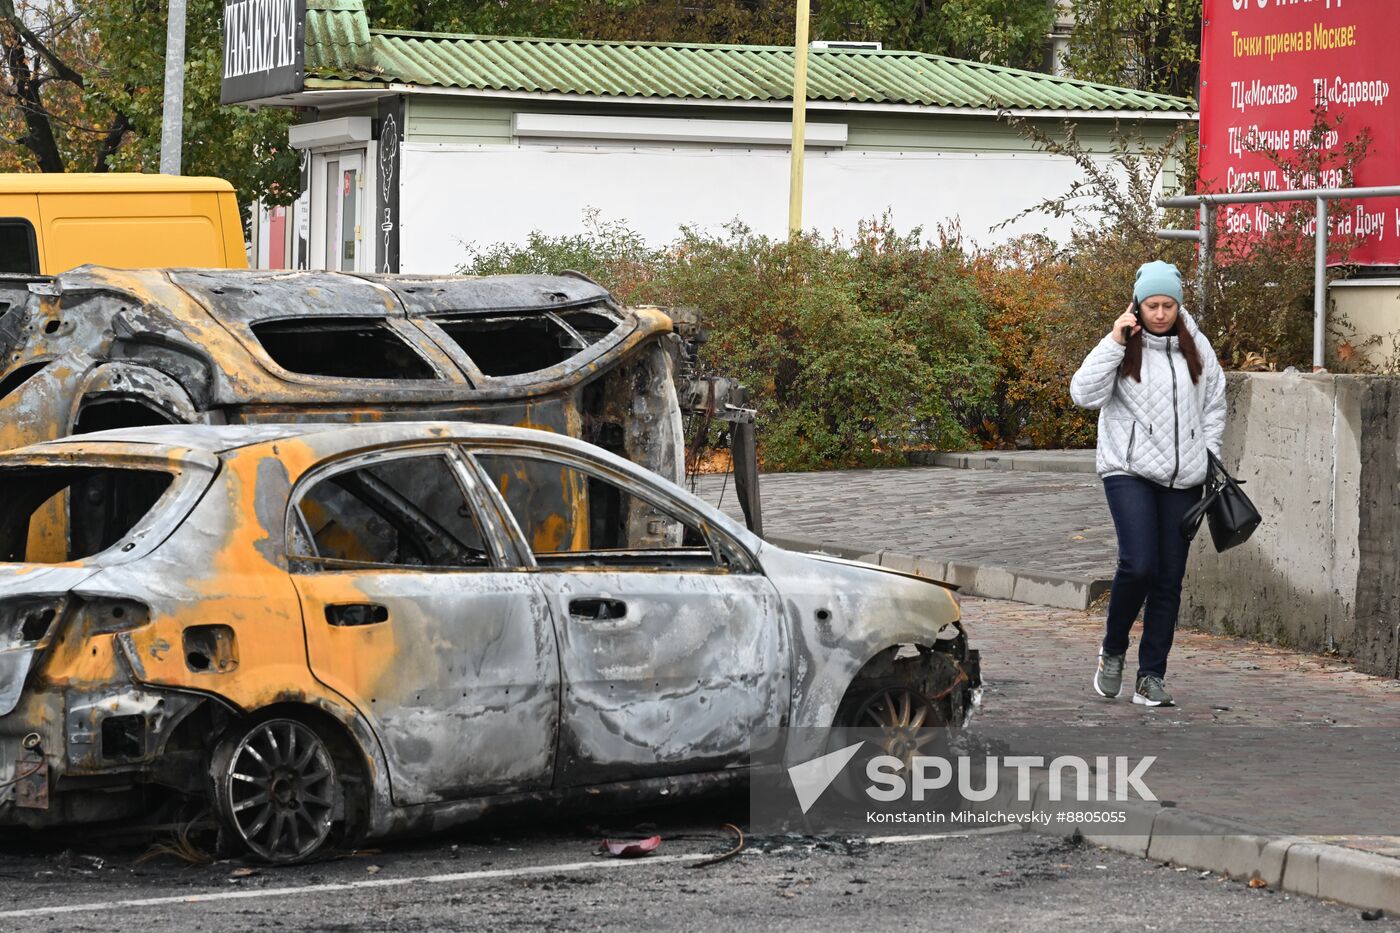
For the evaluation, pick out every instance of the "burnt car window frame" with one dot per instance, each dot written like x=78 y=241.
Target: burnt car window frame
x=191 y=475
x=729 y=555
x=395 y=325
x=501 y=553
x=627 y=325
x=33 y=241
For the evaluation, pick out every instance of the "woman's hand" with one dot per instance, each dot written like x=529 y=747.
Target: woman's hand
x=1127 y=319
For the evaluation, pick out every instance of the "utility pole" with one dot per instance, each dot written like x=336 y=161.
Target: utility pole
x=172 y=118
x=799 y=118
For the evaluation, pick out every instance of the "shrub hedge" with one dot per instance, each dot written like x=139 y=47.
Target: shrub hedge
x=859 y=349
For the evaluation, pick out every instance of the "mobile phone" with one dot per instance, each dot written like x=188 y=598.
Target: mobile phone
x=1137 y=312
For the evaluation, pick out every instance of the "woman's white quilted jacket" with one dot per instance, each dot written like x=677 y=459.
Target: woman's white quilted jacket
x=1159 y=428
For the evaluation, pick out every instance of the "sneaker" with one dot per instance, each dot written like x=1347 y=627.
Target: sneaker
x=1151 y=691
x=1108 y=681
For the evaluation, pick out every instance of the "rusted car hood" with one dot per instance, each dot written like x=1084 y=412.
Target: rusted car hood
x=16 y=656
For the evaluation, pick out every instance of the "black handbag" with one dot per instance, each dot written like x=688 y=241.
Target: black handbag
x=1225 y=507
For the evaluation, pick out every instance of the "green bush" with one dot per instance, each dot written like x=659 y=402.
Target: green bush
x=858 y=350
x=854 y=351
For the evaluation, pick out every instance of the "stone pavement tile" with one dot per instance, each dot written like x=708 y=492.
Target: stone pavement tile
x=1052 y=522
x=1236 y=698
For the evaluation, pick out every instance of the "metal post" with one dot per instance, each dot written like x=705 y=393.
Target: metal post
x=1207 y=256
x=1202 y=254
x=799 y=117
x=172 y=125
x=1320 y=286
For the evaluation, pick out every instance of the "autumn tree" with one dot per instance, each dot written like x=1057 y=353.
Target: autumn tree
x=1151 y=45
x=84 y=83
x=52 y=120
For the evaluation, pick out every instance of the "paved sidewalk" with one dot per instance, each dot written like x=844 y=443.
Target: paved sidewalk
x=1293 y=755
x=1289 y=742
x=992 y=531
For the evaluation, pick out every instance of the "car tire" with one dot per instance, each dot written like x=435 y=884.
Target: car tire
x=894 y=715
x=276 y=789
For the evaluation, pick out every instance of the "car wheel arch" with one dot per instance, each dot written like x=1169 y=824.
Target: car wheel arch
x=354 y=748
x=924 y=668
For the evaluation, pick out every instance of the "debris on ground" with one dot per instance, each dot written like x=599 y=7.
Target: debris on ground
x=725 y=856
x=631 y=848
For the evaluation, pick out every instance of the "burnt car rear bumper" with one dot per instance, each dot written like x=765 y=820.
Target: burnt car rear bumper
x=69 y=757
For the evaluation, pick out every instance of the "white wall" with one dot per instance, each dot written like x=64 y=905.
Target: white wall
x=458 y=194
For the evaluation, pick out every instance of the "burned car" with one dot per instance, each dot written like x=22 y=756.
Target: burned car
x=95 y=349
x=337 y=632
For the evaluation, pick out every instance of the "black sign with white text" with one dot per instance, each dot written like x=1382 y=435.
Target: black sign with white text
x=264 y=49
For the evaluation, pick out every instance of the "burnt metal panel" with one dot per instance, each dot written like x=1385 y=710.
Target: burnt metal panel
x=423 y=295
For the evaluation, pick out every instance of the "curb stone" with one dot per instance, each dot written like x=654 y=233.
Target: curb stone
x=1044 y=588
x=1030 y=461
x=1234 y=849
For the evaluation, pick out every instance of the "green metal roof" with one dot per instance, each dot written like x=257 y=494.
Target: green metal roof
x=340 y=47
x=337 y=38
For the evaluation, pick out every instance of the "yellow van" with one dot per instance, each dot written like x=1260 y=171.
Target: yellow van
x=50 y=223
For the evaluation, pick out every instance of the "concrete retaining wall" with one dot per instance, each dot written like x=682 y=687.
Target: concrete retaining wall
x=1319 y=457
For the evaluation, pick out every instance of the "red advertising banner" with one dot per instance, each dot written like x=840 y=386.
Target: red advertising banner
x=1265 y=64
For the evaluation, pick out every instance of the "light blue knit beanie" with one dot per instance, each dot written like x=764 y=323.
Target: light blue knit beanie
x=1157 y=278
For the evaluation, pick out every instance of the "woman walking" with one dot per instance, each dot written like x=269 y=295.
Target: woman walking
x=1160 y=394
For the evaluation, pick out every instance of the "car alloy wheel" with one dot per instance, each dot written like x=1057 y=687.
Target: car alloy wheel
x=277 y=790
x=905 y=719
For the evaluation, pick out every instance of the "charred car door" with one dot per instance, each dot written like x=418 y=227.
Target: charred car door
x=419 y=614
x=672 y=643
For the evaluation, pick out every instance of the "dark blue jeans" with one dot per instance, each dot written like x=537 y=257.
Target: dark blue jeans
x=1151 y=563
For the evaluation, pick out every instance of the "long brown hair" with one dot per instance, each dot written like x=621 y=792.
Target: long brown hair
x=1132 y=356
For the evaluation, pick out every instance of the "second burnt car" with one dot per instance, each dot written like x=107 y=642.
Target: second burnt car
x=327 y=633
x=95 y=349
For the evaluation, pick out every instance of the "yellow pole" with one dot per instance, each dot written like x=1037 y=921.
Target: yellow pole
x=799 y=118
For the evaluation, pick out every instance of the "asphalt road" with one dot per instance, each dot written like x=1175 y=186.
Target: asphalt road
x=549 y=877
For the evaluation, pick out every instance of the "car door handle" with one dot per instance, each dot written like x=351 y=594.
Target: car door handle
x=349 y=614
x=598 y=609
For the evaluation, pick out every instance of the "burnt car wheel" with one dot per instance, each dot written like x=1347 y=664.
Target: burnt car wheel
x=276 y=789
x=904 y=719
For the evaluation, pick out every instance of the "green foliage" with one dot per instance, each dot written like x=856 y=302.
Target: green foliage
x=1002 y=32
x=248 y=149
x=854 y=351
x=491 y=17
x=100 y=66
x=1151 y=45
x=1257 y=305
x=858 y=350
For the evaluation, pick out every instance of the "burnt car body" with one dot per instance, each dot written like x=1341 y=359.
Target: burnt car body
x=96 y=348
x=333 y=632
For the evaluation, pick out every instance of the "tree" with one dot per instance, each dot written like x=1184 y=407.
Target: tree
x=248 y=148
x=53 y=121
x=1004 y=32
x=477 y=17
x=1151 y=45
x=86 y=78
x=1001 y=32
